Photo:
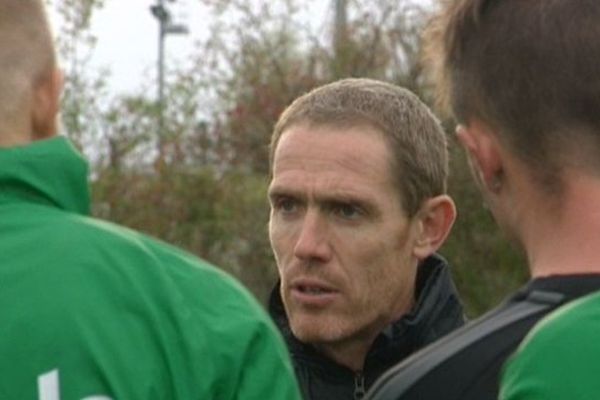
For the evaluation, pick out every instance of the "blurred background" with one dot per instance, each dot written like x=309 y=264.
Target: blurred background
x=173 y=101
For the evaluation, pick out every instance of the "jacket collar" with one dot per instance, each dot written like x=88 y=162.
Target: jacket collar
x=48 y=172
x=437 y=311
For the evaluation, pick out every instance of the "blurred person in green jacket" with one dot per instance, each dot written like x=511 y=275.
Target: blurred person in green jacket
x=91 y=310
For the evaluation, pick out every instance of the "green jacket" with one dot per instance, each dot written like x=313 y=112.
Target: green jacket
x=90 y=310
x=560 y=358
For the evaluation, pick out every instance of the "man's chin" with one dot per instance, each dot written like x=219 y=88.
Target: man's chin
x=316 y=330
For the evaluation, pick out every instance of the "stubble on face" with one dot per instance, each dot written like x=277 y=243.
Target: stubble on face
x=337 y=224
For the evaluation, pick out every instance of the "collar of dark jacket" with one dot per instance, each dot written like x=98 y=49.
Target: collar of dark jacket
x=437 y=311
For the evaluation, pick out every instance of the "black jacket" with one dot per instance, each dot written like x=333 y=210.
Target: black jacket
x=437 y=311
x=466 y=365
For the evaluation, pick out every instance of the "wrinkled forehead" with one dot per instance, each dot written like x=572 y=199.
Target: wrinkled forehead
x=356 y=150
x=375 y=152
x=340 y=124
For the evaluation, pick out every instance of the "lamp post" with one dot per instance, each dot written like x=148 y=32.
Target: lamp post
x=166 y=27
x=340 y=24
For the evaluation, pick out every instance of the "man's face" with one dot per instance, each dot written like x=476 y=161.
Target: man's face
x=342 y=242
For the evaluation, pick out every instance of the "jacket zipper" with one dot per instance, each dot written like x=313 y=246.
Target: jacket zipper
x=359 y=386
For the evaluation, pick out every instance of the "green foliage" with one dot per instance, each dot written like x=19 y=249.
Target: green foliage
x=222 y=218
x=84 y=89
x=202 y=186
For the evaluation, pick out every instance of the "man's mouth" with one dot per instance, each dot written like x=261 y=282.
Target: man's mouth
x=313 y=293
x=314 y=290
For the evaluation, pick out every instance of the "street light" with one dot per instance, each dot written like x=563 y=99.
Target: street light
x=166 y=27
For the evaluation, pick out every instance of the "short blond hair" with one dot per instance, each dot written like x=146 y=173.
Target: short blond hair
x=26 y=53
x=417 y=141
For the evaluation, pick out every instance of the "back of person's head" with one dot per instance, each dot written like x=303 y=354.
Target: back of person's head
x=529 y=70
x=417 y=141
x=28 y=75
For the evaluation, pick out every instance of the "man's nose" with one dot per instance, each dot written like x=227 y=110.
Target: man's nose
x=313 y=241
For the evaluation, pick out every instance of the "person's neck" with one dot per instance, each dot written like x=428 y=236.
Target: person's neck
x=566 y=241
x=353 y=351
x=15 y=135
x=351 y=354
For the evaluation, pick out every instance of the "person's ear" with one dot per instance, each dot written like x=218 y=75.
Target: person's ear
x=483 y=151
x=46 y=104
x=434 y=219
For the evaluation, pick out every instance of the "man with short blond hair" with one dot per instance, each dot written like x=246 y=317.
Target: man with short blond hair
x=358 y=208
x=91 y=310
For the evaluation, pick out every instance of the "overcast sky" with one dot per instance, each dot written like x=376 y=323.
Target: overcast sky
x=127 y=39
x=127 y=35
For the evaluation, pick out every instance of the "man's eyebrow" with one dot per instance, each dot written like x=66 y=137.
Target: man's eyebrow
x=363 y=201
x=280 y=191
x=343 y=196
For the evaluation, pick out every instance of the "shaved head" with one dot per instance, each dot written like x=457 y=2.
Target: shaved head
x=27 y=62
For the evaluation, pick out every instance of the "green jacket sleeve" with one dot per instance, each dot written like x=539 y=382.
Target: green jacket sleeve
x=559 y=359
x=237 y=347
x=267 y=372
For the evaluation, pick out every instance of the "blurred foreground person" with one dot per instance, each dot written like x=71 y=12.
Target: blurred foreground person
x=523 y=82
x=91 y=310
x=358 y=208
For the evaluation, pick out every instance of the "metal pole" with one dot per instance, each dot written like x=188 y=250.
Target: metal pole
x=339 y=35
x=161 y=76
x=165 y=27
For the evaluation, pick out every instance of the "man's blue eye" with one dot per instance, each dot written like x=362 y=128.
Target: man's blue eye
x=286 y=205
x=347 y=211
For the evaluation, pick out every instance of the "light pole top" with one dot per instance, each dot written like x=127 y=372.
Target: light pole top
x=163 y=15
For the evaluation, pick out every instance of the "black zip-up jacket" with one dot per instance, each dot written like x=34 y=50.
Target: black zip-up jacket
x=437 y=311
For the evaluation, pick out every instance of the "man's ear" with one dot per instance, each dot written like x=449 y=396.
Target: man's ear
x=46 y=105
x=434 y=219
x=484 y=152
